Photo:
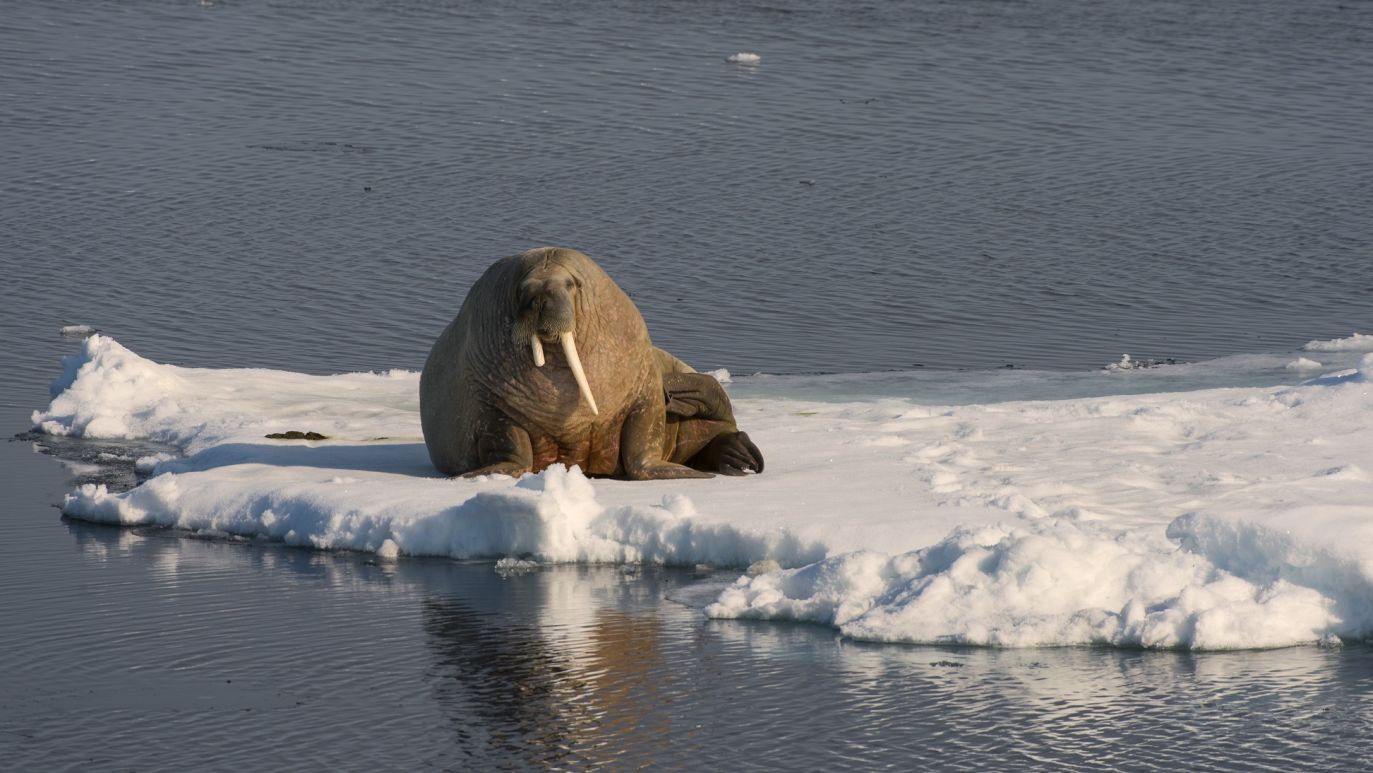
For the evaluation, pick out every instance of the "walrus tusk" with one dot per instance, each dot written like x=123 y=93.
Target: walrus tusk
x=537 y=346
x=575 y=363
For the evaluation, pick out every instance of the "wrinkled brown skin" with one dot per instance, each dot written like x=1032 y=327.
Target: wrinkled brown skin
x=485 y=408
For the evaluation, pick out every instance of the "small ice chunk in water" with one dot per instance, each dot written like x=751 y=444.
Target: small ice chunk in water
x=147 y=464
x=389 y=550
x=1303 y=363
x=744 y=57
x=764 y=566
x=510 y=565
x=1125 y=364
x=1129 y=363
x=78 y=331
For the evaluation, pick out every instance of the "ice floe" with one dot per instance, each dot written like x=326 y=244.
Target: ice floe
x=1215 y=518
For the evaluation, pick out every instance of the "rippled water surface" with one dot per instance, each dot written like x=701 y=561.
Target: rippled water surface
x=969 y=184
x=947 y=183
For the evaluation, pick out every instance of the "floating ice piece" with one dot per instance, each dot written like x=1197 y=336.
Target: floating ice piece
x=744 y=58
x=148 y=464
x=78 y=331
x=1303 y=363
x=1125 y=363
x=511 y=566
x=1128 y=363
x=763 y=567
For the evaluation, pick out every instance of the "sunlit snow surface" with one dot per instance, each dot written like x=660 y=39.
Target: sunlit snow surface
x=1214 y=518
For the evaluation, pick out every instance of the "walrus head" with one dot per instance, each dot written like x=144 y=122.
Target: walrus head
x=546 y=303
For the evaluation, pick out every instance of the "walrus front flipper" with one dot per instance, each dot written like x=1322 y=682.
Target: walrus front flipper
x=503 y=448
x=731 y=453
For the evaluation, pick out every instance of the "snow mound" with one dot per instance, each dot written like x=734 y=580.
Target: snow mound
x=1045 y=583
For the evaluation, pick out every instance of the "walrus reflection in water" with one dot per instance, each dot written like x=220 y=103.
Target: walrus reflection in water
x=549 y=361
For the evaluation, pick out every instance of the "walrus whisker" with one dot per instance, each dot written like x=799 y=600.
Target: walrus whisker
x=537 y=346
x=575 y=363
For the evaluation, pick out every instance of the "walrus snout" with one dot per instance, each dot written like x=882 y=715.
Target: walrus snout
x=547 y=312
x=547 y=309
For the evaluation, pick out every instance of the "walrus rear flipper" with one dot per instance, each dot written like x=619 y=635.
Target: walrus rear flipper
x=641 y=446
x=730 y=453
x=696 y=396
x=707 y=437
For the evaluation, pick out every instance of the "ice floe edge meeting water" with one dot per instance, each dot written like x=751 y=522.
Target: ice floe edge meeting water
x=1215 y=518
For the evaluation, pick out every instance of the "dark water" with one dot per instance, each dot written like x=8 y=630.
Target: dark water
x=1045 y=184
x=313 y=186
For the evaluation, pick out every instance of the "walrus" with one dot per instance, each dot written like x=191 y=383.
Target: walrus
x=549 y=361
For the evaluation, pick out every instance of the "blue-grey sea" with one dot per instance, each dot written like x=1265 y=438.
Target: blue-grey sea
x=931 y=194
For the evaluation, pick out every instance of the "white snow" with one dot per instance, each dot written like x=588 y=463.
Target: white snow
x=1358 y=342
x=1303 y=363
x=1218 y=518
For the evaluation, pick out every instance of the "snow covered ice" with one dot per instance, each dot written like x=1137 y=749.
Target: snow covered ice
x=1213 y=518
x=1357 y=342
